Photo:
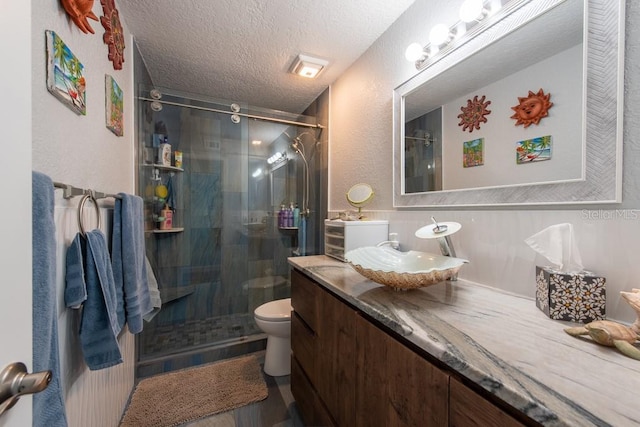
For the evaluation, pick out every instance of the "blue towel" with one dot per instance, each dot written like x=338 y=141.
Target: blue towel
x=154 y=292
x=128 y=254
x=99 y=326
x=75 y=291
x=48 y=405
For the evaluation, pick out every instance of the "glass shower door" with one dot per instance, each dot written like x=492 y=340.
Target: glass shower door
x=225 y=254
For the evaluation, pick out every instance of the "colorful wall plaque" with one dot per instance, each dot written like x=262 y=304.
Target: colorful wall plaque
x=114 y=106
x=533 y=150
x=473 y=153
x=65 y=74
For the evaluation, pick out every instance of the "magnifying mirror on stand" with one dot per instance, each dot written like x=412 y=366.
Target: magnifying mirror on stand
x=358 y=196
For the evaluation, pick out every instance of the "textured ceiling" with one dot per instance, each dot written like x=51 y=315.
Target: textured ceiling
x=241 y=50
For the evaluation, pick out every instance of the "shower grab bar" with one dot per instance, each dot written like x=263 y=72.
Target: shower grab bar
x=70 y=191
x=250 y=116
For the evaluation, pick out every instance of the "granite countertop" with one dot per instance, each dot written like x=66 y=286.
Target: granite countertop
x=500 y=341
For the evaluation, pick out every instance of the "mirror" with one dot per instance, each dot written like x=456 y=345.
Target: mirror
x=438 y=161
x=359 y=195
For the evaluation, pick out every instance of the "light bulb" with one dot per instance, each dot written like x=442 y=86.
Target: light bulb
x=471 y=10
x=439 y=35
x=414 y=52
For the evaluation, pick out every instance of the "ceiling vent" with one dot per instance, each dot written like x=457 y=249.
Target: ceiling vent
x=308 y=66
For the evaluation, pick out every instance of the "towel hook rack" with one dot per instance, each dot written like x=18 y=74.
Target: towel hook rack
x=88 y=196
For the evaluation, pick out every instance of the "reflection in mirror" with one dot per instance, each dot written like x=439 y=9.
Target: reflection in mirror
x=423 y=153
x=532 y=52
x=537 y=49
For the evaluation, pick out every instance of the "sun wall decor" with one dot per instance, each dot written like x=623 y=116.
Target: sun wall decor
x=79 y=11
x=532 y=108
x=113 y=34
x=474 y=113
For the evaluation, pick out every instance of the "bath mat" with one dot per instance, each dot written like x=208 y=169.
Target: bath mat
x=178 y=397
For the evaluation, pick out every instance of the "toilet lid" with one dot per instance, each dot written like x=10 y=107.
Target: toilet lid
x=275 y=311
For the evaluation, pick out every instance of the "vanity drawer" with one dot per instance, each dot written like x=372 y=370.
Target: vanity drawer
x=310 y=405
x=333 y=230
x=304 y=299
x=303 y=346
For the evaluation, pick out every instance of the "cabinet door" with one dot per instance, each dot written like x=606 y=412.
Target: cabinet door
x=467 y=409
x=335 y=363
x=396 y=386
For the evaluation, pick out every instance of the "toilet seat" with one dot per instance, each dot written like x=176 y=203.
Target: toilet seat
x=274 y=311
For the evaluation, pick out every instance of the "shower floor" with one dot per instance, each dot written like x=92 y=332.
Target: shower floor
x=163 y=340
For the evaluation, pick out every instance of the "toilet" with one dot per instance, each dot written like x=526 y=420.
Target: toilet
x=274 y=319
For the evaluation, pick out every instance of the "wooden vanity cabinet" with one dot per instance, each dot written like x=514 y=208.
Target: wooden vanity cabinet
x=346 y=370
x=323 y=348
x=468 y=409
x=395 y=386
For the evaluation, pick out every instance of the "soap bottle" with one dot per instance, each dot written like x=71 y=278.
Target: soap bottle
x=296 y=216
x=167 y=222
x=281 y=218
x=289 y=218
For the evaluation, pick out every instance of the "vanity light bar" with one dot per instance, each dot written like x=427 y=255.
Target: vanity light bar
x=492 y=12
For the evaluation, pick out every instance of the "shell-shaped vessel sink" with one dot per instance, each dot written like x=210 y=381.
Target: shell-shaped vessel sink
x=402 y=270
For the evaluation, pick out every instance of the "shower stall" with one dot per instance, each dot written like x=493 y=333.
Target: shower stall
x=223 y=252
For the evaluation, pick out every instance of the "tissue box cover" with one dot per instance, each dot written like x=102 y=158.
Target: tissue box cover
x=572 y=297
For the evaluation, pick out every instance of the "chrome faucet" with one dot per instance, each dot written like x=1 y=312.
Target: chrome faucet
x=446 y=247
x=393 y=241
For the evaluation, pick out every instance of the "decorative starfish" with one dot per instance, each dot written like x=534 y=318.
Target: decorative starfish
x=633 y=298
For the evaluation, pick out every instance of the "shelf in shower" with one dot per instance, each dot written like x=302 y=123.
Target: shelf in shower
x=288 y=228
x=171 y=230
x=173 y=294
x=163 y=167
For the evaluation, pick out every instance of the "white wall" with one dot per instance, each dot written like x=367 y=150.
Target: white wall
x=492 y=239
x=81 y=151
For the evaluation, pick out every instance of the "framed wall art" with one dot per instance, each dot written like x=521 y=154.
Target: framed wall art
x=473 y=153
x=65 y=74
x=533 y=150
x=114 y=106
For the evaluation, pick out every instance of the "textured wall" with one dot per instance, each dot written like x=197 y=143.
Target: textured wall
x=492 y=239
x=81 y=151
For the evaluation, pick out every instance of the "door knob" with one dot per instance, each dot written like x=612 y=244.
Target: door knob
x=15 y=382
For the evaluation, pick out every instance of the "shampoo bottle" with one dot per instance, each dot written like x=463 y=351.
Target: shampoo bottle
x=289 y=218
x=296 y=216
x=281 y=218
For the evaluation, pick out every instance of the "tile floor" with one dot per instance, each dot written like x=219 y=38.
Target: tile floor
x=277 y=410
